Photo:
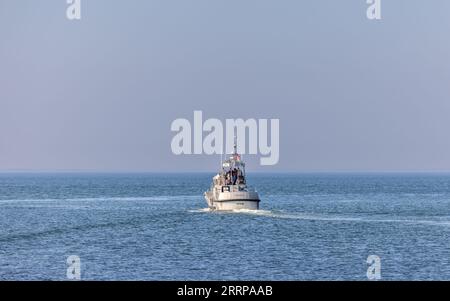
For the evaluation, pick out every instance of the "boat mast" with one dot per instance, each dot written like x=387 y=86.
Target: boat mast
x=235 y=144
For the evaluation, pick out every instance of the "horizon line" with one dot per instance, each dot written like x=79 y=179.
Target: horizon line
x=44 y=171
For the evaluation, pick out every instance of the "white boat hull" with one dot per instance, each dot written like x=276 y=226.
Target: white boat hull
x=228 y=201
x=236 y=205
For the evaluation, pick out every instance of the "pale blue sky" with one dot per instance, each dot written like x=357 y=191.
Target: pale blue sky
x=100 y=93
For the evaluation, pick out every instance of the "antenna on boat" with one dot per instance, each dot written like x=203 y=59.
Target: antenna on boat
x=235 y=143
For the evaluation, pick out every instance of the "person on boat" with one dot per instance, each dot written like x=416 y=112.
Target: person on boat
x=234 y=176
x=240 y=177
x=228 y=179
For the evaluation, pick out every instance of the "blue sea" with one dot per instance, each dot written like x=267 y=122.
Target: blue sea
x=147 y=226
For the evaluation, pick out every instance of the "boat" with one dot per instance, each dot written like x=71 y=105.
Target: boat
x=229 y=190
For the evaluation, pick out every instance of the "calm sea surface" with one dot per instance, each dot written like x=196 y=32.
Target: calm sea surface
x=155 y=227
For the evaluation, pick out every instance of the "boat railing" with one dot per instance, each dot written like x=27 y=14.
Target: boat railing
x=237 y=188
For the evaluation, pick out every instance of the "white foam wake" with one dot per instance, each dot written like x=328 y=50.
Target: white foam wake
x=317 y=217
x=200 y=210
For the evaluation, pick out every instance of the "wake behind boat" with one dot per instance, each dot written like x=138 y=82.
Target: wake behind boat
x=229 y=190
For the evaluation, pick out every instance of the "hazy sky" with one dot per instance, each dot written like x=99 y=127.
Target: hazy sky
x=101 y=93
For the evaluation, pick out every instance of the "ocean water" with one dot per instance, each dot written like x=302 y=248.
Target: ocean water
x=156 y=227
